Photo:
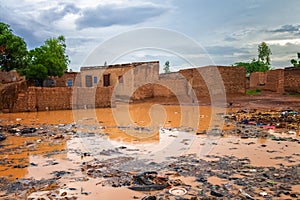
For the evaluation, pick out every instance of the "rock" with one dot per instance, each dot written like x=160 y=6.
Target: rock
x=201 y=179
x=59 y=136
x=244 y=136
x=28 y=130
x=2 y=137
x=245 y=194
x=201 y=132
x=293 y=195
x=149 y=198
x=216 y=194
x=263 y=194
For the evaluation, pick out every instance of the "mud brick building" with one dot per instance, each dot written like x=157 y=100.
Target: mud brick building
x=280 y=80
x=102 y=86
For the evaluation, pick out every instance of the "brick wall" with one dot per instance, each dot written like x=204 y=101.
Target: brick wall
x=9 y=77
x=63 y=80
x=205 y=81
x=272 y=80
x=144 y=80
x=292 y=80
x=58 y=98
x=234 y=79
x=143 y=92
x=170 y=85
x=9 y=94
x=257 y=80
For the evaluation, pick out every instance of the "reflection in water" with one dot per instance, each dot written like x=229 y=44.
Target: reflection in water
x=138 y=126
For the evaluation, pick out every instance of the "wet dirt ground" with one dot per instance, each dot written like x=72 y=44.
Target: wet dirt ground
x=202 y=151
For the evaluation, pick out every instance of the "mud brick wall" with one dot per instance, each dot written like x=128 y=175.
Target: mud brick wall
x=292 y=80
x=9 y=94
x=258 y=80
x=196 y=81
x=60 y=98
x=234 y=79
x=204 y=80
x=53 y=98
x=275 y=80
x=92 y=97
x=104 y=97
x=170 y=85
x=272 y=80
x=63 y=81
x=9 y=77
x=143 y=92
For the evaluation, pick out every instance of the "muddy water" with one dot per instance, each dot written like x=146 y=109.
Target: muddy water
x=122 y=125
x=32 y=160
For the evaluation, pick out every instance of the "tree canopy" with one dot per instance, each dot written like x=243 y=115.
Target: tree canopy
x=50 y=59
x=254 y=66
x=264 y=53
x=296 y=63
x=167 y=67
x=13 y=49
x=262 y=64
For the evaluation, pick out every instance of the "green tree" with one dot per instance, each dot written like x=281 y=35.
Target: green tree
x=38 y=73
x=262 y=64
x=254 y=66
x=49 y=60
x=296 y=63
x=13 y=49
x=264 y=53
x=167 y=67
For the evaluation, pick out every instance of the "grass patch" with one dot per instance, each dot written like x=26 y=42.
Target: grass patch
x=294 y=95
x=253 y=92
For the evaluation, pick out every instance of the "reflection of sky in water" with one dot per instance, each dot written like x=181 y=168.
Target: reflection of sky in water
x=169 y=143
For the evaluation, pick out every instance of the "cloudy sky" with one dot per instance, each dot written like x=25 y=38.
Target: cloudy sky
x=228 y=31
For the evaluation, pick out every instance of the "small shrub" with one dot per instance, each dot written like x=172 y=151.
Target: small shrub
x=253 y=92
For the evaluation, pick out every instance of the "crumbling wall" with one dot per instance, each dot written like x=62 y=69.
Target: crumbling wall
x=9 y=77
x=9 y=95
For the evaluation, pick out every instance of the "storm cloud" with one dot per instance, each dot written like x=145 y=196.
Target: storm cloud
x=109 y=15
x=287 y=29
x=58 y=12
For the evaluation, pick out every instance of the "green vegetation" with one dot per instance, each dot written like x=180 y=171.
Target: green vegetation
x=294 y=95
x=50 y=59
x=13 y=49
x=264 y=53
x=262 y=64
x=296 y=63
x=167 y=67
x=253 y=92
x=47 y=60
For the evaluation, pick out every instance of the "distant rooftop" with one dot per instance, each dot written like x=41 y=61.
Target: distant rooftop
x=133 y=64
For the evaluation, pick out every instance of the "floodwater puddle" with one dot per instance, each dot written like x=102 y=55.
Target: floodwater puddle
x=67 y=143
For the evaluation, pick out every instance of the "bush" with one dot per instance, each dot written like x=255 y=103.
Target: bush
x=253 y=92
